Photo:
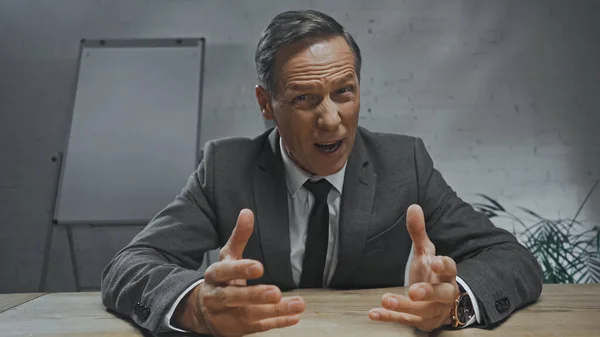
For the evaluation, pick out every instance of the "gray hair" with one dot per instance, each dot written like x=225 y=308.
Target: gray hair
x=290 y=27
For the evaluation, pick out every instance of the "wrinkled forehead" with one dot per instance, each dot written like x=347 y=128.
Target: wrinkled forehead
x=314 y=60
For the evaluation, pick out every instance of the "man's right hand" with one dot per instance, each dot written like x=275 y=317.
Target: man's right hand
x=223 y=305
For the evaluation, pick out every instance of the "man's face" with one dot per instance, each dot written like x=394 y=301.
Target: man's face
x=316 y=103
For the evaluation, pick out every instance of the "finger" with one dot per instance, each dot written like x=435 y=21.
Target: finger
x=381 y=314
x=439 y=292
x=425 y=309
x=273 y=323
x=415 y=223
x=224 y=271
x=234 y=248
x=232 y=296
x=288 y=306
x=444 y=267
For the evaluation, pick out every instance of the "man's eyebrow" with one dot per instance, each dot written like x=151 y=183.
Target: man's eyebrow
x=345 y=78
x=308 y=86
x=298 y=86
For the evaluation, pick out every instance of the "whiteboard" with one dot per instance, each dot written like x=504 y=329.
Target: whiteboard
x=133 y=140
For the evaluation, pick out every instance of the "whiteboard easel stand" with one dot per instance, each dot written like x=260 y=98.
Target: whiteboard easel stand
x=60 y=159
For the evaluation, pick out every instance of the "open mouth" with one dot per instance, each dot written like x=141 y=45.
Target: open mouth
x=329 y=147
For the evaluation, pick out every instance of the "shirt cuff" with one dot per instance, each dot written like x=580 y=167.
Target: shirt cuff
x=475 y=317
x=171 y=311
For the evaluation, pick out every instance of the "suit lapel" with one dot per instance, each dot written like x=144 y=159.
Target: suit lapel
x=271 y=216
x=355 y=213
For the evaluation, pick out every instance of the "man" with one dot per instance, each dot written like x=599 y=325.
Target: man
x=316 y=202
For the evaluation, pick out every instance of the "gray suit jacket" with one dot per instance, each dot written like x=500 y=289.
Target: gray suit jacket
x=385 y=174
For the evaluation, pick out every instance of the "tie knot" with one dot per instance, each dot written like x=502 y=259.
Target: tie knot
x=319 y=189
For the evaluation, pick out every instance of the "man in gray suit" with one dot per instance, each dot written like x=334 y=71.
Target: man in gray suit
x=316 y=202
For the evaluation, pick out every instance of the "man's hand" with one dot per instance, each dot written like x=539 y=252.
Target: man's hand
x=432 y=279
x=223 y=305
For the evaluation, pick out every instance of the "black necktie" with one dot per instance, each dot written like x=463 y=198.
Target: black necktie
x=317 y=239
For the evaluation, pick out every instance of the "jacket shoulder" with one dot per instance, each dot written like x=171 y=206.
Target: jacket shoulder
x=387 y=143
x=235 y=149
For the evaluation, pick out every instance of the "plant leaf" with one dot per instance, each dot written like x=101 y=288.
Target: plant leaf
x=493 y=202
x=530 y=212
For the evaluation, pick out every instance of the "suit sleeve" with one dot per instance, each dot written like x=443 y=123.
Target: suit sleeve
x=145 y=278
x=503 y=275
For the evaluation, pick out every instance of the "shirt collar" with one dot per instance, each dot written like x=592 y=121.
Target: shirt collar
x=296 y=177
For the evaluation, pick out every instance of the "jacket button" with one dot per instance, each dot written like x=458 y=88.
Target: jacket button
x=505 y=303
x=499 y=307
x=136 y=309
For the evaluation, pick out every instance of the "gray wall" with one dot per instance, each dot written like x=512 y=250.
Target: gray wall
x=504 y=93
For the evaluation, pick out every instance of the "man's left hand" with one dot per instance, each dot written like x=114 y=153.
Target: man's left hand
x=432 y=279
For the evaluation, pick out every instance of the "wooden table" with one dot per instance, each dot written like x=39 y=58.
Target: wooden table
x=9 y=301
x=563 y=310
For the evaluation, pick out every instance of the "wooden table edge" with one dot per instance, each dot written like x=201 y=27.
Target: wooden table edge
x=36 y=296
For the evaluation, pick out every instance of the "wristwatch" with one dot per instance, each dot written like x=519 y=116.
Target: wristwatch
x=463 y=311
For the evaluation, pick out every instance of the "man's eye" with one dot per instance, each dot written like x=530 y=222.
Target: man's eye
x=306 y=101
x=344 y=90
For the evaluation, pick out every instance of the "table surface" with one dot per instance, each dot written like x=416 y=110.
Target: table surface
x=562 y=310
x=9 y=301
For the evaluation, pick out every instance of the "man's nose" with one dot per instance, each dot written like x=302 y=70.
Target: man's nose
x=329 y=118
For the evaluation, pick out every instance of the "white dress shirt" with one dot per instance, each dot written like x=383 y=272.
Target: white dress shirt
x=300 y=201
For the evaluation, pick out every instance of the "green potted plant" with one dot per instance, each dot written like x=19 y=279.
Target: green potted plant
x=568 y=250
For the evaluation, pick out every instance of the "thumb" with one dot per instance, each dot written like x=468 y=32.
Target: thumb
x=234 y=248
x=415 y=223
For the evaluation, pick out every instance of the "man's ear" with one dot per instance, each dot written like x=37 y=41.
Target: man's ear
x=264 y=98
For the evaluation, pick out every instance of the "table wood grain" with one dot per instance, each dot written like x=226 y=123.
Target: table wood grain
x=8 y=301
x=563 y=310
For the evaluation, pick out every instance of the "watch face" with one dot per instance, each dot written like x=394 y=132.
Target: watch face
x=464 y=311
